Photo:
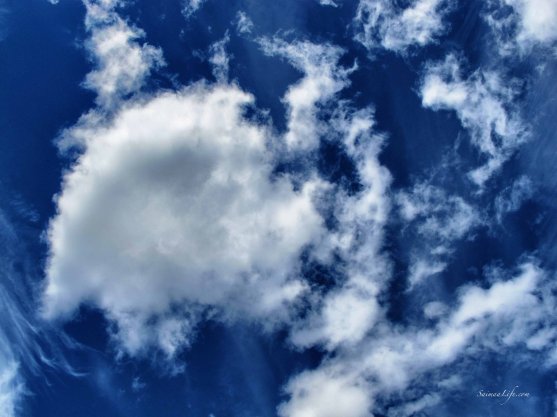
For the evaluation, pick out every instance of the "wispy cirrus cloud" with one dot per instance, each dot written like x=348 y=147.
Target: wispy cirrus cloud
x=383 y=24
x=322 y=80
x=484 y=104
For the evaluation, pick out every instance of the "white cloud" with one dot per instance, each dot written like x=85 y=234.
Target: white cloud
x=172 y=203
x=190 y=7
x=11 y=388
x=122 y=64
x=484 y=104
x=421 y=269
x=439 y=216
x=531 y=23
x=244 y=24
x=412 y=408
x=512 y=197
x=219 y=59
x=328 y=3
x=383 y=24
x=324 y=393
x=344 y=316
x=506 y=315
x=322 y=80
x=440 y=220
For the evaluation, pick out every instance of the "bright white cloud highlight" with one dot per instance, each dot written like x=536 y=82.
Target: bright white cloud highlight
x=484 y=104
x=172 y=202
x=383 y=24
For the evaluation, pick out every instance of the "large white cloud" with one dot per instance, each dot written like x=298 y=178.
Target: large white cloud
x=384 y=24
x=172 y=201
x=484 y=104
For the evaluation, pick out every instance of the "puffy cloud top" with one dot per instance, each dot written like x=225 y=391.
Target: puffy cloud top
x=173 y=201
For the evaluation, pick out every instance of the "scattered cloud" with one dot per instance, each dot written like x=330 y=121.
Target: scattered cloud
x=219 y=59
x=322 y=80
x=384 y=24
x=439 y=216
x=396 y=358
x=173 y=212
x=439 y=220
x=512 y=197
x=484 y=104
x=345 y=315
x=331 y=3
x=122 y=63
x=244 y=24
x=190 y=7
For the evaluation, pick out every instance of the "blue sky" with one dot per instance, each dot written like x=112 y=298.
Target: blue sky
x=317 y=208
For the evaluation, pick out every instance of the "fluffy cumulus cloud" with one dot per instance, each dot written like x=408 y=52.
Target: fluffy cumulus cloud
x=172 y=201
x=484 y=104
x=524 y=24
x=327 y=393
x=386 y=24
x=122 y=63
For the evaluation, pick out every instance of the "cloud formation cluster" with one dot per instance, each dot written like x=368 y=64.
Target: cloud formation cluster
x=395 y=359
x=174 y=211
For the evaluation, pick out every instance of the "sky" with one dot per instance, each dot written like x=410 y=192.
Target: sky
x=290 y=208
